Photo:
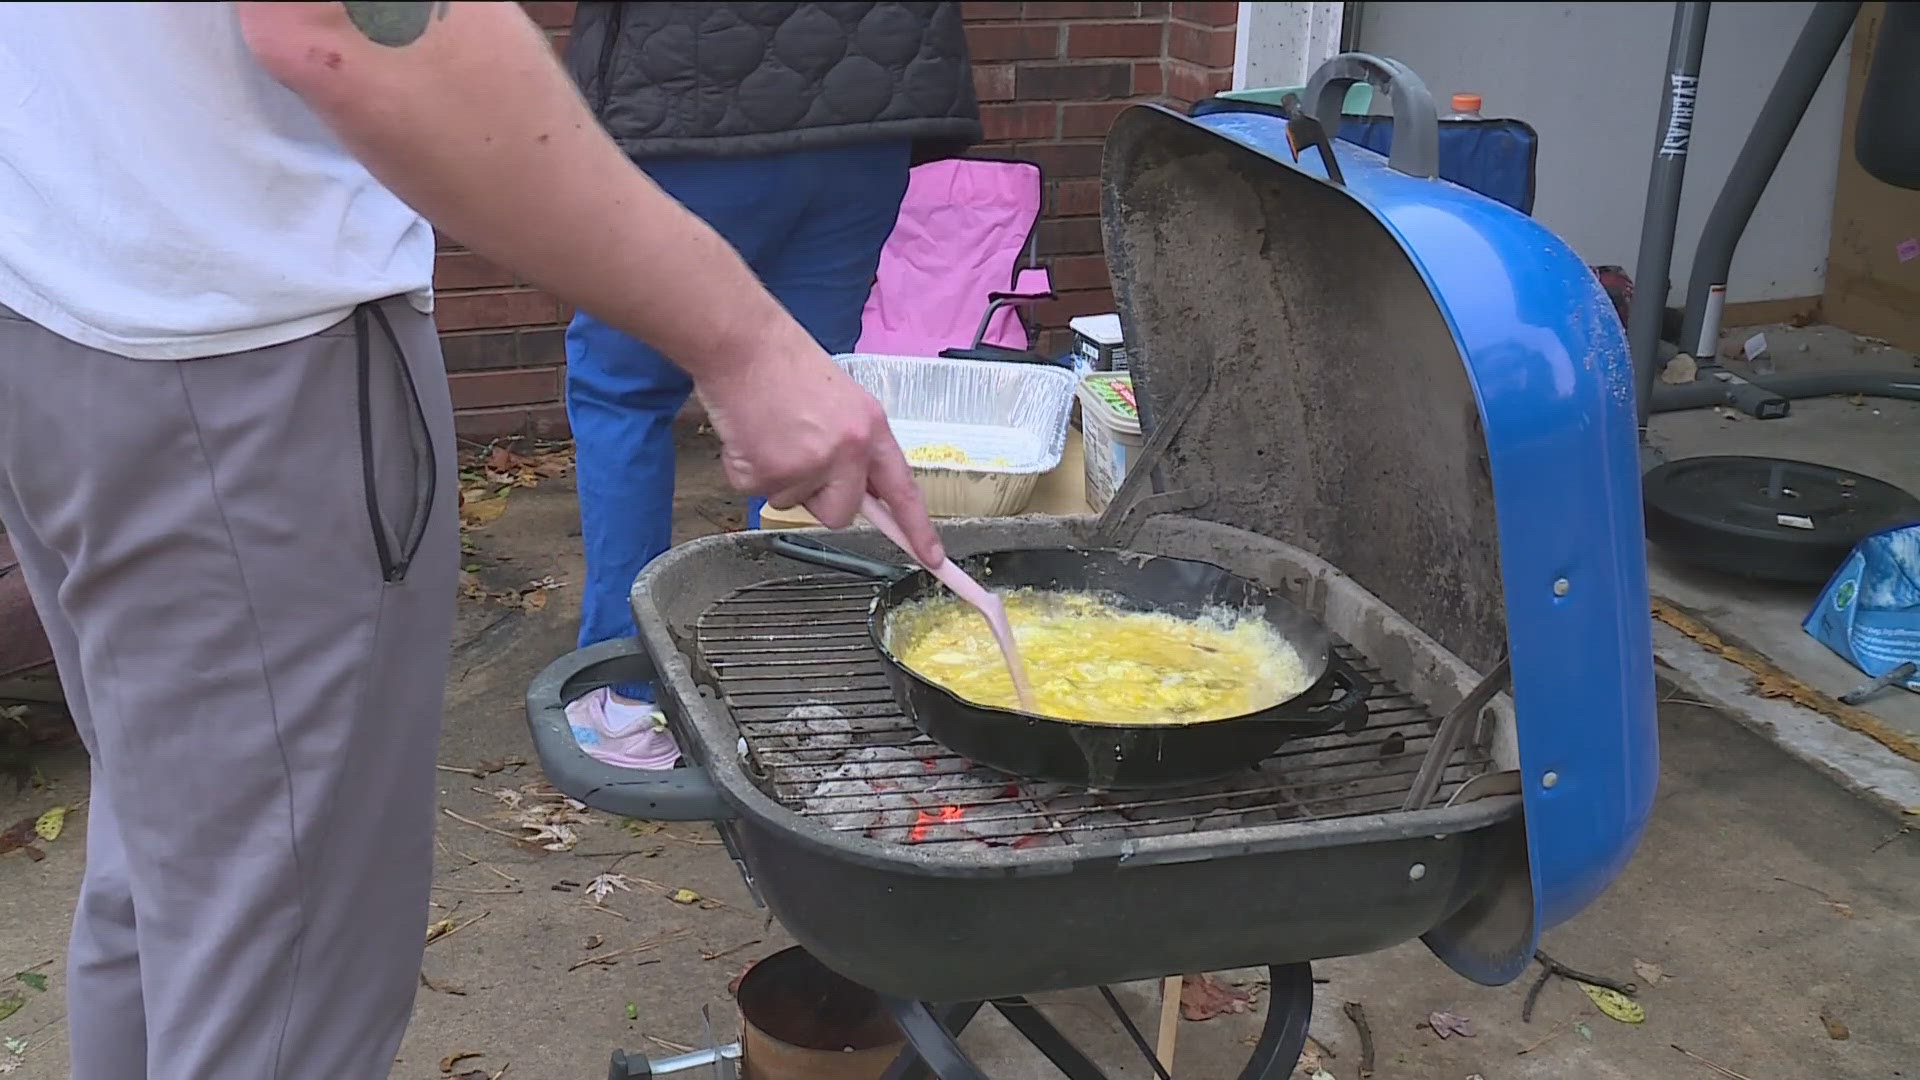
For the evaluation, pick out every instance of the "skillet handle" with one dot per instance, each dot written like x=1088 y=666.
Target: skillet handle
x=1348 y=692
x=808 y=550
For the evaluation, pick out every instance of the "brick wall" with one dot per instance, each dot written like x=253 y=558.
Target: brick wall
x=1051 y=77
x=503 y=337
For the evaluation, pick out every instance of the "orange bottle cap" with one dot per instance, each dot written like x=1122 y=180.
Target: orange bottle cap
x=1466 y=103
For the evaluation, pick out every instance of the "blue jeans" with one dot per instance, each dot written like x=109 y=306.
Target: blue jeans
x=811 y=225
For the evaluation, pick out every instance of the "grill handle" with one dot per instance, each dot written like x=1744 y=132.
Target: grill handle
x=813 y=552
x=1416 y=123
x=684 y=793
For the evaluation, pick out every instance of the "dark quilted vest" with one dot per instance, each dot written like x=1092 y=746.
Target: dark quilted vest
x=717 y=80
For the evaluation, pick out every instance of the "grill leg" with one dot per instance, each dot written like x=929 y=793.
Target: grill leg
x=1289 y=1008
x=932 y=1045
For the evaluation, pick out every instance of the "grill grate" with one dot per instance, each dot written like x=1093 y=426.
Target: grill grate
x=823 y=735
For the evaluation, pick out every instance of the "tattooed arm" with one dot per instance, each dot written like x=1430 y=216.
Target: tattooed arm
x=463 y=111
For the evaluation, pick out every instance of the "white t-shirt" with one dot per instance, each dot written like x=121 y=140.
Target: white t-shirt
x=162 y=197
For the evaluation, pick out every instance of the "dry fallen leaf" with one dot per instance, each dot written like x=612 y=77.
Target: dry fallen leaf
x=10 y=1003
x=557 y=837
x=1649 y=974
x=603 y=885
x=684 y=896
x=438 y=929
x=19 y=837
x=1202 y=997
x=593 y=942
x=447 y=1063
x=1615 y=1004
x=48 y=825
x=1446 y=1025
x=1836 y=1028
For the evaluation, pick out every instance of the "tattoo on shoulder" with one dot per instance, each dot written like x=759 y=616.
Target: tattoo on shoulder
x=394 y=24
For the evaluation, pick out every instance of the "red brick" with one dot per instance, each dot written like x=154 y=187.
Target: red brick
x=1208 y=48
x=1207 y=13
x=1072 y=198
x=1085 y=81
x=983 y=11
x=993 y=83
x=1150 y=79
x=1010 y=122
x=1061 y=10
x=1070 y=236
x=1077 y=273
x=550 y=15
x=1187 y=82
x=539 y=421
x=473 y=311
x=1064 y=160
x=1089 y=119
x=1020 y=41
x=1115 y=39
x=482 y=350
x=1056 y=312
x=465 y=270
x=493 y=389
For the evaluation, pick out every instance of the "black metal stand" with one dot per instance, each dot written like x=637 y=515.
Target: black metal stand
x=934 y=1049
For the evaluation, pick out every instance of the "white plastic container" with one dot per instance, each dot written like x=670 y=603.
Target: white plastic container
x=1110 y=428
x=1009 y=421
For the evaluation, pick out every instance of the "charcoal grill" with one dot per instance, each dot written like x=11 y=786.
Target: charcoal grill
x=1404 y=406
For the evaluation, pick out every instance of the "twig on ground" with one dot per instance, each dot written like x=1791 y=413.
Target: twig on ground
x=729 y=951
x=1558 y=1030
x=699 y=840
x=1715 y=1066
x=607 y=910
x=1357 y=1013
x=441 y=988
x=678 y=1048
x=508 y=891
x=502 y=833
x=609 y=957
x=1566 y=972
x=1533 y=995
x=461 y=926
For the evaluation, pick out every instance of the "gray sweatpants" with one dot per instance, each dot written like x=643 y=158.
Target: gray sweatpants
x=247 y=566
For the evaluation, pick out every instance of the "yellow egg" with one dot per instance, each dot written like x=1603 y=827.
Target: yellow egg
x=1089 y=659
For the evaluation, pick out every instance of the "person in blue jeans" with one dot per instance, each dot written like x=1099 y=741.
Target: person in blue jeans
x=789 y=128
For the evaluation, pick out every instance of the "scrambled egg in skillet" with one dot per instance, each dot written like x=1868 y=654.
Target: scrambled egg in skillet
x=1091 y=660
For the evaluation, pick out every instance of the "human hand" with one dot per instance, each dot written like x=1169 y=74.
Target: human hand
x=795 y=427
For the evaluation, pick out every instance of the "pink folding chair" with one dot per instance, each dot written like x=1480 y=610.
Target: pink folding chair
x=960 y=266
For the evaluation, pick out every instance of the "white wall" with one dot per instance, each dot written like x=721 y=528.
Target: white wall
x=1588 y=76
x=1280 y=43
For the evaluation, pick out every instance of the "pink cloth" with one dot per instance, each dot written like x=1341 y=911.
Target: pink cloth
x=962 y=233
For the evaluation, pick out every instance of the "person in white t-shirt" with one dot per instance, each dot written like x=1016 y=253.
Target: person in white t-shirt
x=226 y=465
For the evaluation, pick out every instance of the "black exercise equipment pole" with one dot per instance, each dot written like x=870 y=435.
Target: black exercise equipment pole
x=1820 y=39
x=1669 y=171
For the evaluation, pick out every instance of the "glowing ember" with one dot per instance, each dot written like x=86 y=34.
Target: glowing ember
x=923 y=821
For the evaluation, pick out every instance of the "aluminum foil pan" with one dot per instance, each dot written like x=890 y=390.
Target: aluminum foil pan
x=1007 y=421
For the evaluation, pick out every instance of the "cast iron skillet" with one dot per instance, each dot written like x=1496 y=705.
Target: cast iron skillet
x=1106 y=755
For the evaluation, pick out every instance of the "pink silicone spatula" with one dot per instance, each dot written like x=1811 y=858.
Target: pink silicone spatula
x=990 y=606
